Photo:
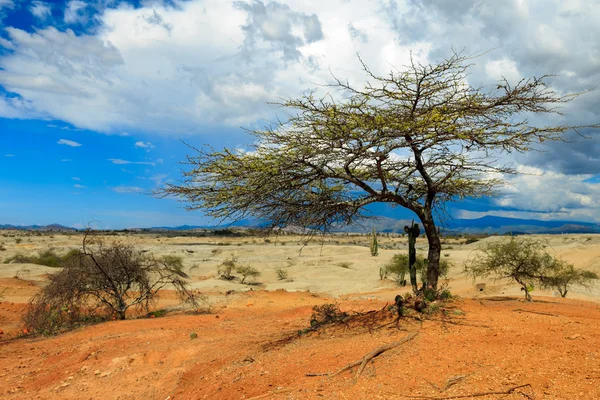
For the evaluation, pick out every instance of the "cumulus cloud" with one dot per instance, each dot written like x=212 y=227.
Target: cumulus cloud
x=119 y=161
x=78 y=186
x=542 y=194
x=75 y=12
x=221 y=62
x=69 y=143
x=144 y=145
x=40 y=10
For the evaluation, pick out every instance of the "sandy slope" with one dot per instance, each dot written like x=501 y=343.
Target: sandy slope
x=314 y=267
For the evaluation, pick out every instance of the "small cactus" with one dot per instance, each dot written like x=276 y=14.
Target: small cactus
x=374 y=245
x=413 y=231
x=193 y=335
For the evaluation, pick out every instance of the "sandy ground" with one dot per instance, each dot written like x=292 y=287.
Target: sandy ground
x=484 y=342
x=337 y=265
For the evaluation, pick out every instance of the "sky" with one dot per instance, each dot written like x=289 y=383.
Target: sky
x=99 y=98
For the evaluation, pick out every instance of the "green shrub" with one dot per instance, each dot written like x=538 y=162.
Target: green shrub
x=227 y=267
x=47 y=257
x=429 y=295
x=282 y=274
x=247 y=272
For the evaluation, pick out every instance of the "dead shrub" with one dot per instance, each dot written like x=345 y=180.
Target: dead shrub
x=103 y=280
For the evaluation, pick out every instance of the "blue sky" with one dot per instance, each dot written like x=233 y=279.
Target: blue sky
x=96 y=96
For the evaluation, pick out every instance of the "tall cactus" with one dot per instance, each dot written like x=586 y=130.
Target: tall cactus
x=413 y=231
x=374 y=245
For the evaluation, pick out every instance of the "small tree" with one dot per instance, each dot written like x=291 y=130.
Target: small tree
x=524 y=261
x=565 y=275
x=113 y=277
x=227 y=267
x=246 y=272
x=374 y=246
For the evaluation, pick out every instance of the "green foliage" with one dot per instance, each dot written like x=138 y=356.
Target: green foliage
x=282 y=274
x=193 y=335
x=227 y=267
x=429 y=294
x=565 y=275
x=247 y=272
x=432 y=309
x=523 y=260
x=47 y=257
x=374 y=247
x=421 y=267
x=398 y=267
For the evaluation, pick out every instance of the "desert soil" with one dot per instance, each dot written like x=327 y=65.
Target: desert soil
x=484 y=342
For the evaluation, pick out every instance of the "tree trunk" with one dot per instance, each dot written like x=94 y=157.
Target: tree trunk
x=435 y=249
x=122 y=309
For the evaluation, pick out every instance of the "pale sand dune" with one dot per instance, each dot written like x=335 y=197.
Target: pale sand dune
x=315 y=267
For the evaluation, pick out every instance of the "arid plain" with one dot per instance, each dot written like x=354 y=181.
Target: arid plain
x=482 y=342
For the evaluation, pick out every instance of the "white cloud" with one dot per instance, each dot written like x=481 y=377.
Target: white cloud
x=66 y=160
x=75 y=12
x=119 y=161
x=541 y=194
x=220 y=62
x=6 y=4
x=78 y=186
x=127 y=189
x=40 y=10
x=76 y=178
x=9 y=155
x=144 y=145
x=69 y=143
x=503 y=68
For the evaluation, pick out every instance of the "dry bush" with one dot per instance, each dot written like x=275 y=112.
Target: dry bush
x=102 y=280
x=326 y=314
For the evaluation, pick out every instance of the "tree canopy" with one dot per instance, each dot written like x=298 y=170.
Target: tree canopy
x=416 y=138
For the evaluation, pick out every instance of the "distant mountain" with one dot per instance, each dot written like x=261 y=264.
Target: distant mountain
x=45 y=228
x=484 y=225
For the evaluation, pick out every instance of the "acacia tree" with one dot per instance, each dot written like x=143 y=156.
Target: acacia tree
x=566 y=275
x=524 y=261
x=416 y=138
